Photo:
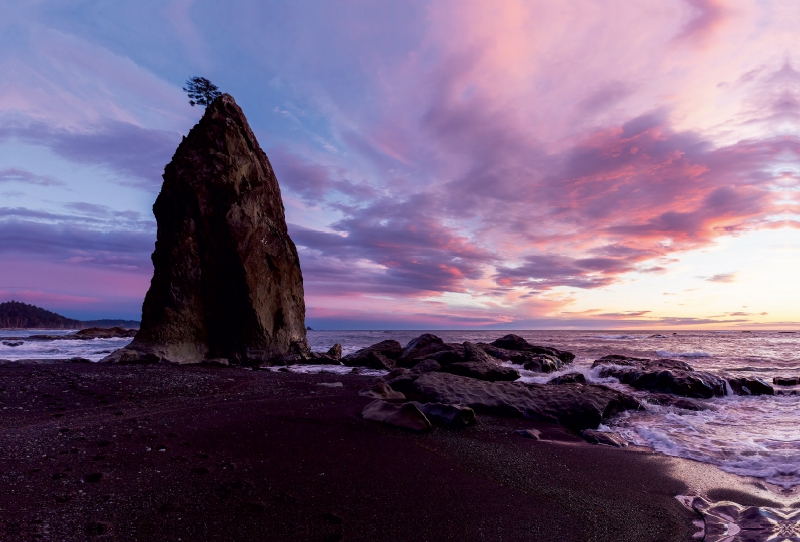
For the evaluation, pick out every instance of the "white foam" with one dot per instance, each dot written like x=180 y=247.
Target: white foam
x=749 y=436
x=693 y=354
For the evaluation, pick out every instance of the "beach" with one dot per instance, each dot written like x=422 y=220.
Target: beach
x=216 y=453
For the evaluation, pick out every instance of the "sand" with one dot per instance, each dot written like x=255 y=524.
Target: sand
x=196 y=453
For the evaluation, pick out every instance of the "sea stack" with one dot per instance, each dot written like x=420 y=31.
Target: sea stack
x=227 y=280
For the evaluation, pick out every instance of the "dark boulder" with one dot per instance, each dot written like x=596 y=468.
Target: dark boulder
x=473 y=352
x=444 y=354
x=539 y=362
x=394 y=373
x=369 y=358
x=572 y=405
x=569 y=378
x=642 y=363
x=420 y=343
x=515 y=342
x=404 y=383
x=490 y=372
x=227 y=280
x=426 y=366
x=786 y=380
x=666 y=400
x=750 y=386
x=664 y=376
x=452 y=416
x=407 y=415
x=335 y=352
x=381 y=391
x=378 y=356
x=103 y=333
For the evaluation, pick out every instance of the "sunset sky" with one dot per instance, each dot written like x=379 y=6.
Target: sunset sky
x=445 y=164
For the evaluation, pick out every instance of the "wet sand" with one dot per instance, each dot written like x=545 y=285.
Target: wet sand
x=196 y=453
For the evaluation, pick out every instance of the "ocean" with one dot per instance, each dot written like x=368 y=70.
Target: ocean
x=751 y=436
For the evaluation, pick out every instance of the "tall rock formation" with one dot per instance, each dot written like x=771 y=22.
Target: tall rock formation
x=227 y=280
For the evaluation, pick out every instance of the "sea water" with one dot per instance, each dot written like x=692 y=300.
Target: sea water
x=754 y=436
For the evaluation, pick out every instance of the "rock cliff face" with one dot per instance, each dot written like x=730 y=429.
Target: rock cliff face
x=227 y=280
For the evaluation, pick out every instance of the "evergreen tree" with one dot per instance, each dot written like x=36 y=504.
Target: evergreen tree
x=201 y=91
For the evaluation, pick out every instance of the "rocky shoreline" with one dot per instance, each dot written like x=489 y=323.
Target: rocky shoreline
x=209 y=451
x=138 y=452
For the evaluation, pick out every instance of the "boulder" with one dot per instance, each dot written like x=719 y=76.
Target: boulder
x=664 y=376
x=474 y=353
x=404 y=383
x=601 y=437
x=569 y=378
x=103 y=333
x=428 y=346
x=626 y=361
x=381 y=391
x=539 y=363
x=491 y=372
x=423 y=341
x=426 y=366
x=572 y=405
x=515 y=342
x=532 y=361
x=750 y=386
x=663 y=399
x=786 y=380
x=335 y=352
x=452 y=416
x=407 y=415
x=394 y=373
x=227 y=280
x=378 y=356
x=372 y=359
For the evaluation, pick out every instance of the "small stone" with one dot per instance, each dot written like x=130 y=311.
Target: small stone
x=407 y=415
x=601 y=437
x=381 y=391
x=534 y=434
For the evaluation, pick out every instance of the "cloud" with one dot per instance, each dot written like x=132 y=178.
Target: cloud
x=314 y=182
x=137 y=154
x=723 y=277
x=708 y=15
x=23 y=176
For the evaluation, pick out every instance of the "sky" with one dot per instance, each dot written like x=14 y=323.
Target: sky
x=444 y=164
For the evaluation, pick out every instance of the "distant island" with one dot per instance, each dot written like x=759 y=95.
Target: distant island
x=18 y=315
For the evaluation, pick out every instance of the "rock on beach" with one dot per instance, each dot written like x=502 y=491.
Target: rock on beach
x=227 y=280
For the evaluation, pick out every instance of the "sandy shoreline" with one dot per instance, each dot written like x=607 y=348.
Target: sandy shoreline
x=211 y=453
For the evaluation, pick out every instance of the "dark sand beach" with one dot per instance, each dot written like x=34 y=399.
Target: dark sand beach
x=94 y=452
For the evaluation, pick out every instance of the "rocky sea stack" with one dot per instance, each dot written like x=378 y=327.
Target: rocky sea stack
x=227 y=280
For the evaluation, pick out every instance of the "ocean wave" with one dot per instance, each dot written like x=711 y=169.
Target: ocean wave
x=693 y=354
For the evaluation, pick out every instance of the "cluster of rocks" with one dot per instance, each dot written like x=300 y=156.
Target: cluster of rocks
x=477 y=360
x=675 y=377
x=447 y=383
x=429 y=373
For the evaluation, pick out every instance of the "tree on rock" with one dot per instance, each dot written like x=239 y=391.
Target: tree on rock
x=201 y=91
